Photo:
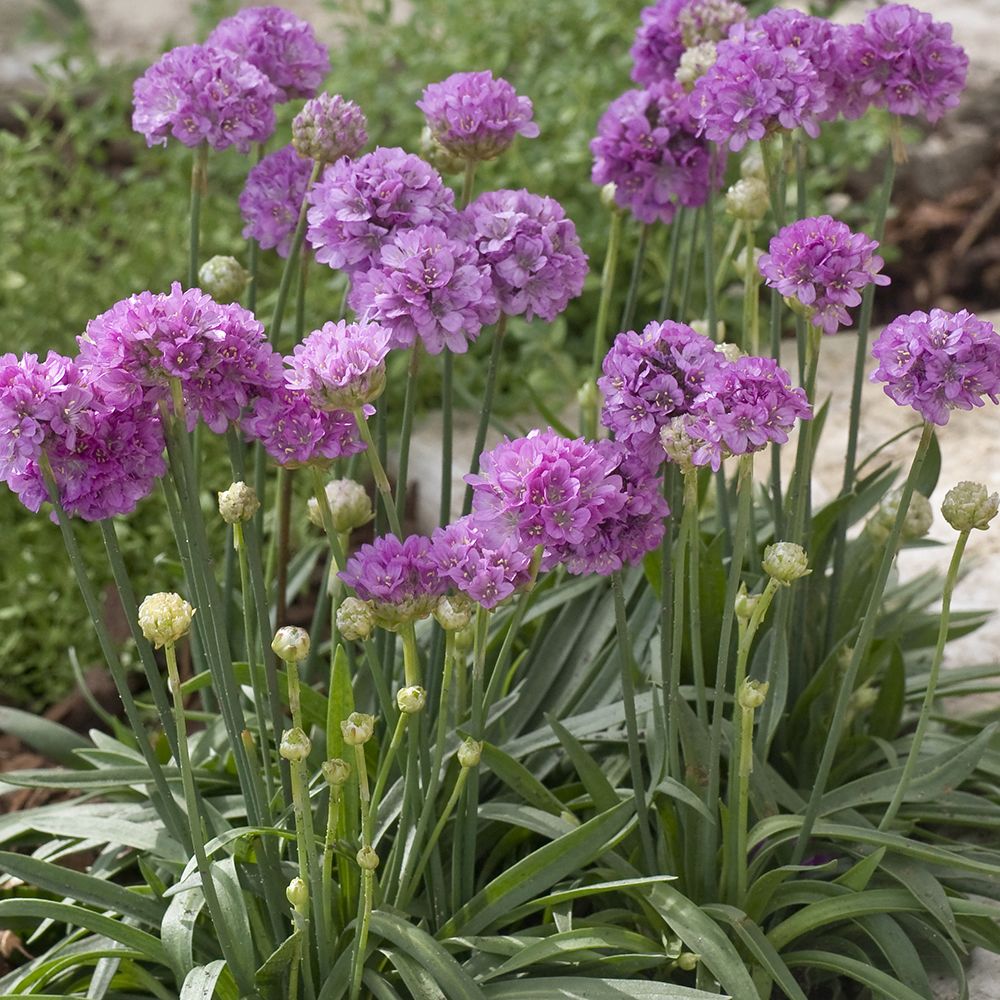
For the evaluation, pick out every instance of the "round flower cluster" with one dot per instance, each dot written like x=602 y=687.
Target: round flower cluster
x=428 y=285
x=283 y=47
x=217 y=354
x=532 y=249
x=823 y=266
x=646 y=145
x=474 y=116
x=328 y=127
x=272 y=198
x=359 y=204
x=198 y=93
x=938 y=362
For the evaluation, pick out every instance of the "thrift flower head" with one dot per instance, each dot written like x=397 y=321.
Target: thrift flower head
x=272 y=197
x=938 y=362
x=785 y=562
x=238 y=504
x=532 y=249
x=165 y=618
x=970 y=505
x=198 y=93
x=647 y=146
x=358 y=205
x=329 y=127
x=291 y=644
x=283 y=47
x=824 y=267
x=430 y=285
x=474 y=116
x=355 y=619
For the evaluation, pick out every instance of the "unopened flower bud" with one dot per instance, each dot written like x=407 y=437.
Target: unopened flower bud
x=411 y=699
x=701 y=326
x=747 y=200
x=465 y=638
x=367 y=859
x=470 y=752
x=608 y=197
x=740 y=264
x=291 y=644
x=357 y=728
x=731 y=352
x=687 y=961
x=238 y=504
x=453 y=612
x=443 y=161
x=863 y=699
x=328 y=127
x=295 y=745
x=916 y=524
x=752 y=694
x=297 y=894
x=746 y=603
x=336 y=771
x=165 y=618
x=223 y=278
x=752 y=162
x=588 y=396
x=695 y=63
x=785 y=562
x=355 y=619
x=678 y=443
x=349 y=503
x=969 y=505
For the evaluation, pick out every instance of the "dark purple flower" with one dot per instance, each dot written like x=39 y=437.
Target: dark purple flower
x=328 y=127
x=358 y=205
x=474 y=116
x=198 y=94
x=824 y=266
x=533 y=251
x=646 y=145
x=272 y=197
x=938 y=362
x=283 y=47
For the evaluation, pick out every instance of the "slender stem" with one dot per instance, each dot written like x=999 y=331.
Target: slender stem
x=680 y=553
x=468 y=181
x=386 y=766
x=689 y=263
x=631 y=299
x=751 y=311
x=690 y=525
x=284 y=517
x=367 y=875
x=329 y=842
x=456 y=792
x=666 y=643
x=447 y=436
x=673 y=253
x=411 y=657
x=709 y=252
x=199 y=188
x=604 y=310
x=409 y=405
x=378 y=473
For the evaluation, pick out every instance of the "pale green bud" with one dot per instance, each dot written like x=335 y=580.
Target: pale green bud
x=695 y=63
x=297 y=894
x=752 y=162
x=608 y=197
x=740 y=264
x=238 y=504
x=746 y=603
x=470 y=752
x=295 y=745
x=753 y=694
x=785 y=562
x=437 y=156
x=336 y=772
x=291 y=644
x=687 y=961
x=465 y=639
x=864 y=698
x=678 y=443
x=367 y=859
x=730 y=352
x=411 y=699
x=350 y=506
x=357 y=728
x=453 y=612
x=355 y=619
x=164 y=618
x=969 y=505
x=747 y=200
x=588 y=396
x=701 y=326
x=916 y=524
x=223 y=278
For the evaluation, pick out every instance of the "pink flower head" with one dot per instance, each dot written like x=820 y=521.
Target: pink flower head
x=198 y=93
x=328 y=127
x=272 y=197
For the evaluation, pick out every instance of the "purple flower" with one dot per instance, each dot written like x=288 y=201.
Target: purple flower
x=533 y=251
x=428 y=285
x=198 y=94
x=359 y=204
x=401 y=578
x=474 y=116
x=272 y=197
x=328 y=127
x=283 y=47
x=646 y=145
x=938 y=362
x=218 y=354
x=822 y=265
x=341 y=365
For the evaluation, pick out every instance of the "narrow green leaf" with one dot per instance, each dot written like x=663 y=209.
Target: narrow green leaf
x=881 y=983
x=898 y=950
x=199 y=984
x=860 y=873
x=521 y=781
x=590 y=988
x=591 y=774
x=177 y=930
x=234 y=912
x=148 y=837
x=48 y=738
x=271 y=974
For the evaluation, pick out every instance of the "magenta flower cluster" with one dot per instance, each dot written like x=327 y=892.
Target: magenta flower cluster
x=329 y=127
x=823 y=266
x=272 y=197
x=937 y=362
x=474 y=116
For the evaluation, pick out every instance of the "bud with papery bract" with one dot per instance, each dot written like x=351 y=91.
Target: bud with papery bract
x=753 y=694
x=747 y=200
x=746 y=604
x=785 y=562
x=223 y=278
x=688 y=961
x=165 y=618
x=916 y=524
x=470 y=752
x=329 y=127
x=239 y=503
x=349 y=503
x=295 y=745
x=355 y=619
x=969 y=505
x=357 y=729
x=336 y=772
x=367 y=859
x=271 y=199
x=291 y=644
x=411 y=700
x=297 y=893
x=453 y=612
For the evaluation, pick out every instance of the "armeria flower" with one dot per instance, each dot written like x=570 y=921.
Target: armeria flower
x=295 y=433
x=341 y=365
x=430 y=286
x=283 y=47
x=652 y=377
x=938 y=362
x=198 y=93
x=668 y=27
x=217 y=354
x=532 y=249
x=824 y=267
x=755 y=88
x=474 y=116
x=272 y=197
x=487 y=573
x=329 y=127
x=400 y=578
x=646 y=145
x=358 y=205
x=103 y=460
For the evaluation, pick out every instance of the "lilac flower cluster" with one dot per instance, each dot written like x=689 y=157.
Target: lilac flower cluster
x=328 y=127
x=341 y=365
x=647 y=146
x=359 y=204
x=823 y=266
x=283 y=47
x=272 y=197
x=427 y=285
x=532 y=249
x=104 y=460
x=938 y=362
x=217 y=354
x=474 y=116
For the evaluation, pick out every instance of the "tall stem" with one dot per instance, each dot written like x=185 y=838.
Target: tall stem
x=367 y=875
x=603 y=311
x=484 y=416
x=631 y=299
x=378 y=473
x=447 y=436
x=409 y=405
x=199 y=188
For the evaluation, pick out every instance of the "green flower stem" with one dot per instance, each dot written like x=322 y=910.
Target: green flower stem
x=329 y=851
x=689 y=264
x=378 y=472
x=726 y=261
x=673 y=686
x=409 y=405
x=199 y=188
x=411 y=657
x=294 y=693
x=447 y=435
x=709 y=253
x=309 y=872
x=282 y=536
x=628 y=668
x=691 y=525
x=666 y=644
x=506 y=650
x=632 y=296
x=367 y=877
x=456 y=792
x=773 y=155
x=862 y=646
x=913 y=757
x=673 y=252
x=799 y=489
x=603 y=312
x=253 y=248
x=386 y=766
x=468 y=182
x=751 y=296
